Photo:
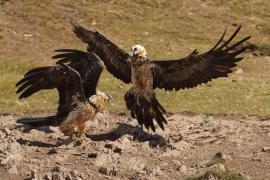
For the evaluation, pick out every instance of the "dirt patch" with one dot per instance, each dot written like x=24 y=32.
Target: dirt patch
x=115 y=147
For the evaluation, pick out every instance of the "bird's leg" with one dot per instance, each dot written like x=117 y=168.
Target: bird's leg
x=66 y=141
x=81 y=129
x=77 y=140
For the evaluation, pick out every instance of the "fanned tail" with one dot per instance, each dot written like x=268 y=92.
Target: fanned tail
x=145 y=109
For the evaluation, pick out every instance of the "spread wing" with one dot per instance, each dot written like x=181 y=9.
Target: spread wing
x=87 y=64
x=62 y=77
x=196 y=68
x=114 y=58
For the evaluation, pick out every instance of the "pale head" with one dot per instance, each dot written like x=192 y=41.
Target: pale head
x=99 y=99
x=138 y=50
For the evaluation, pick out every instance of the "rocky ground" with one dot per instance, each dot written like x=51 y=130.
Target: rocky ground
x=114 y=148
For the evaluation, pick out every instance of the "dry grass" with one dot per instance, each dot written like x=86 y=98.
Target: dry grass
x=168 y=29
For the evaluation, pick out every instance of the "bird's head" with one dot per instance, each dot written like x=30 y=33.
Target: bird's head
x=99 y=99
x=138 y=51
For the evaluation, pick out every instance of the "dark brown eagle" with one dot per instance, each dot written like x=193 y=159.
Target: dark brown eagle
x=146 y=75
x=75 y=77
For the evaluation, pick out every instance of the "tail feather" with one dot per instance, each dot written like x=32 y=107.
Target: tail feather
x=38 y=121
x=146 y=110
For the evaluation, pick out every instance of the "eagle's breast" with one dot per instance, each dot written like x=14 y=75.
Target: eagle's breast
x=140 y=76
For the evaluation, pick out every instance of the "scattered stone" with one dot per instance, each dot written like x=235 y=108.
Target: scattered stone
x=218 y=166
x=52 y=151
x=103 y=160
x=181 y=145
x=136 y=164
x=156 y=171
x=74 y=175
x=7 y=131
x=14 y=147
x=182 y=168
x=256 y=159
x=92 y=155
x=110 y=171
x=108 y=146
x=239 y=71
x=33 y=175
x=266 y=149
x=117 y=150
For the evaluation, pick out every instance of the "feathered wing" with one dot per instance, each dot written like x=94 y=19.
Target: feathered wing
x=65 y=79
x=114 y=58
x=88 y=65
x=61 y=77
x=196 y=68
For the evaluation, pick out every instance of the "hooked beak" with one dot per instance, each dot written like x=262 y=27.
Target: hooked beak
x=109 y=97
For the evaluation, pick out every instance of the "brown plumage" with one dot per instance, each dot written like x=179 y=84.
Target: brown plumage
x=146 y=75
x=76 y=83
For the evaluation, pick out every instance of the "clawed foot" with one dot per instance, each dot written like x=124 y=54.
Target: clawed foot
x=74 y=139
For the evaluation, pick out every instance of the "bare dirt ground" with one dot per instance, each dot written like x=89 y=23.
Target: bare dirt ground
x=115 y=148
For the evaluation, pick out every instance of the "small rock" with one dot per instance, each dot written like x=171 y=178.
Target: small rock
x=218 y=166
x=266 y=149
x=13 y=170
x=126 y=139
x=239 y=71
x=14 y=147
x=75 y=175
x=117 y=150
x=156 y=171
x=256 y=159
x=222 y=156
x=52 y=151
x=212 y=177
x=107 y=171
x=7 y=130
x=93 y=23
x=146 y=33
x=182 y=168
x=27 y=35
x=33 y=174
x=56 y=176
x=92 y=155
x=103 y=160
x=108 y=146
x=136 y=164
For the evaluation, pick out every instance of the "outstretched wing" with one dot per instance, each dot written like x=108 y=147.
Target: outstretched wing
x=114 y=58
x=196 y=68
x=66 y=80
x=87 y=64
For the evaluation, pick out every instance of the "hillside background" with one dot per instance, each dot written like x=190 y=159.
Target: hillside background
x=30 y=30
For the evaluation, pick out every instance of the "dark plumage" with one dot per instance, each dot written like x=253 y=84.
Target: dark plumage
x=146 y=74
x=76 y=78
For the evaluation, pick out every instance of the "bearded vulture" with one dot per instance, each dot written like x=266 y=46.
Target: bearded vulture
x=146 y=74
x=76 y=78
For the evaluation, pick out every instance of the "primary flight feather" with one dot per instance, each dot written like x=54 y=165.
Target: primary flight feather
x=146 y=75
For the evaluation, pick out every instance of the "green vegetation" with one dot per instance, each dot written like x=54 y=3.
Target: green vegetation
x=224 y=175
x=168 y=29
x=214 y=172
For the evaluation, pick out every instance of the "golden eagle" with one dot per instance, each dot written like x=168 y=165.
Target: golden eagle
x=75 y=77
x=146 y=75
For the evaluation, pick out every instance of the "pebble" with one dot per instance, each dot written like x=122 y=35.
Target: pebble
x=182 y=168
x=266 y=149
x=218 y=166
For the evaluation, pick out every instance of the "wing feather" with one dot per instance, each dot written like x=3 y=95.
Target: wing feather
x=86 y=64
x=114 y=58
x=196 y=69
